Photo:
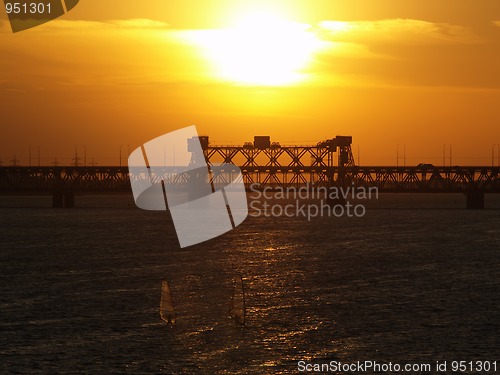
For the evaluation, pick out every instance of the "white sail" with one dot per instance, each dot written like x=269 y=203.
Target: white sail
x=237 y=307
x=167 y=311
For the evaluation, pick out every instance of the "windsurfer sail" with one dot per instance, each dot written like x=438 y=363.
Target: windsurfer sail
x=167 y=312
x=237 y=307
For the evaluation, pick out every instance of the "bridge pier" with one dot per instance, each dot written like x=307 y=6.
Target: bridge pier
x=63 y=199
x=475 y=200
x=57 y=199
x=69 y=199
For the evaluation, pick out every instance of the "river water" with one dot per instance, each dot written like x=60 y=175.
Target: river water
x=415 y=280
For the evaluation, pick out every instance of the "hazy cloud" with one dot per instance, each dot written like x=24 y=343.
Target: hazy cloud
x=149 y=52
x=95 y=54
x=135 y=24
x=396 y=31
x=140 y=23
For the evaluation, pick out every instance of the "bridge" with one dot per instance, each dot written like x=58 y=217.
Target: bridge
x=25 y=180
x=265 y=165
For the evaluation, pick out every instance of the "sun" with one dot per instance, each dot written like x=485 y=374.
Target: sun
x=261 y=49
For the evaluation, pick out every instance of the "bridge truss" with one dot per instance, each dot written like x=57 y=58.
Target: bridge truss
x=264 y=165
x=386 y=179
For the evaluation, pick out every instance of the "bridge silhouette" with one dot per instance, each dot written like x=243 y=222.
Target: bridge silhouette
x=97 y=179
x=264 y=165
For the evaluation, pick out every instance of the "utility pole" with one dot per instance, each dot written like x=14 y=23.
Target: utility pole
x=76 y=159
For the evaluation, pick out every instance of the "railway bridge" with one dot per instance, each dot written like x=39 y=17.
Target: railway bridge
x=264 y=165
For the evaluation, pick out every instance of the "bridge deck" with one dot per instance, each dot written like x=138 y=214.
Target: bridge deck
x=387 y=178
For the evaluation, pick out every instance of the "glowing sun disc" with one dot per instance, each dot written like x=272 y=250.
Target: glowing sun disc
x=261 y=50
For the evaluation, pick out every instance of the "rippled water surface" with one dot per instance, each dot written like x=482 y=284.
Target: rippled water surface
x=416 y=279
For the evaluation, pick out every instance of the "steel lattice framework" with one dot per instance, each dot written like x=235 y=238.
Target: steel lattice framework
x=284 y=166
x=328 y=164
x=387 y=179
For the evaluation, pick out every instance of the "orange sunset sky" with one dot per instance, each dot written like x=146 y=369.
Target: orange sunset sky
x=114 y=74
